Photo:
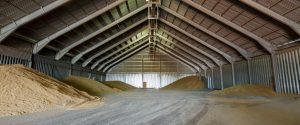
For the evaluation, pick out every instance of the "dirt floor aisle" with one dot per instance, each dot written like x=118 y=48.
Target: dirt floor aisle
x=152 y=107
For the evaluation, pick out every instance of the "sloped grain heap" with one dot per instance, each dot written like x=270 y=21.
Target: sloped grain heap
x=119 y=85
x=246 y=90
x=88 y=85
x=24 y=90
x=186 y=83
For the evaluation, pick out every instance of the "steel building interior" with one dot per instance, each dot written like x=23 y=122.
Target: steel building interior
x=225 y=43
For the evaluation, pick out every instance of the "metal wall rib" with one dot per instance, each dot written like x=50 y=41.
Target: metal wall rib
x=227 y=76
x=288 y=66
x=13 y=60
x=216 y=78
x=241 y=73
x=261 y=72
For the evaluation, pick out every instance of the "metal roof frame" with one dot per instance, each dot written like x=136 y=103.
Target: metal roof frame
x=265 y=44
x=225 y=55
x=243 y=52
x=10 y=28
x=111 y=54
x=78 y=56
x=85 y=63
x=62 y=52
x=42 y=43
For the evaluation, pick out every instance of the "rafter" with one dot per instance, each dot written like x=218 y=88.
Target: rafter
x=77 y=57
x=210 y=65
x=217 y=61
x=180 y=59
x=85 y=63
x=62 y=52
x=41 y=44
x=115 y=52
x=194 y=61
x=122 y=56
x=293 y=25
x=242 y=51
x=10 y=28
x=175 y=57
x=265 y=44
x=225 y=55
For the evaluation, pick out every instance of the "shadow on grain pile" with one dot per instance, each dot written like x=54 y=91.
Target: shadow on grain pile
x=119 y=85
x=24 y=90
x=90 y=86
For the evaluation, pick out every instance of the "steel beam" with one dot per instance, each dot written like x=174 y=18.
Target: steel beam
x=177 y=58
x=109 y=67
x=233 y=74
x=122 y=56
x=118 y=56
x=77 y=57
x=217 y=61
x=111 y=54
x=181 y=61
x=210 y=65
x=242 y=51
x=268 y=46
x=221 y=77
x=203 y=67
x=62 y=52
x=41 y=44
x=185 y=63
x=225 y=55
x=293 y=25
x=85 y=63
x=10 y=28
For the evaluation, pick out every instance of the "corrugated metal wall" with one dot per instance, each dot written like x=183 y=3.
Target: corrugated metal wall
x=51 y=67
x=227 y=76
x=288 y=66
x=259 y=70
x=241 y=73
x=216 y=78
x=13 y=60
x=154 y=80
x=61 y=69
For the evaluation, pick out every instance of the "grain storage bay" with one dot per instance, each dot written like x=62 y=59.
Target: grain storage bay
x=149 y=62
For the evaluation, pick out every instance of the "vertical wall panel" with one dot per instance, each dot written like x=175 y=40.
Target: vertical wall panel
x=209 y=79
x=167 y=78
x=241 y=72
x=4 y=59
x=261 y=70
x=288 y=72
x=217 y=78
x=152 y=79
x=227 y=76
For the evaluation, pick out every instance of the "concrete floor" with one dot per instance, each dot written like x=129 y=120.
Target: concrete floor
x=152 y=107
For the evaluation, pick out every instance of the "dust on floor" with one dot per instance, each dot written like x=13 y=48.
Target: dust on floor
x=145 y=107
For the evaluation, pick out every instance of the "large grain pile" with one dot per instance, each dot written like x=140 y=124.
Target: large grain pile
x=24 y=90
x=246 y=90
x=186 y=83
x=119 y=85
x=88 y=85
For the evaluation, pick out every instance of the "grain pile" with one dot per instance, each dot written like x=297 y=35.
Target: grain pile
x=186 y=83
x=24 y=90
x=88 y=85
x=119 y=85
x=246 y=90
